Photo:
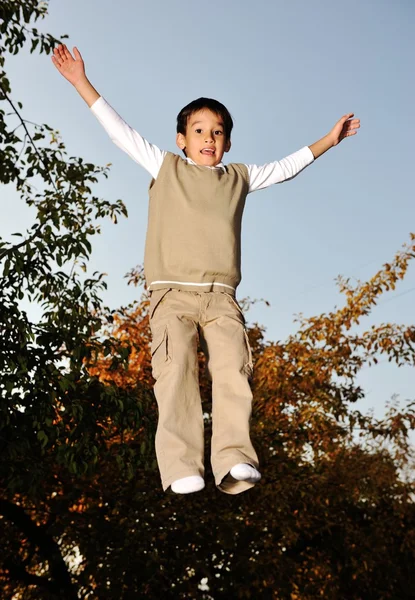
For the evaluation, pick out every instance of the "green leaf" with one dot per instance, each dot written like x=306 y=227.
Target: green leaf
x=43 y=438
x=35 y=42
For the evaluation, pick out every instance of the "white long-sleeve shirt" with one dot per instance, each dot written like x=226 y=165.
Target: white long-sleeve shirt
x=150 y=157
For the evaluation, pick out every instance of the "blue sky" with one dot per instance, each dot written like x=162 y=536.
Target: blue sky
x=287 y=71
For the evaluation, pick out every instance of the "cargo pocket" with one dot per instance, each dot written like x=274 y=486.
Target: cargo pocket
x=161 y=351
x=157 y=296
x=249 y=365
x=234 y=302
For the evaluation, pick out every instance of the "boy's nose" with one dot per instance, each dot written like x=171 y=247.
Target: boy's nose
x=208 y=138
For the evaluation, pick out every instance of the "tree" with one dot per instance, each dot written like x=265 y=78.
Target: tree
x=334 y=515
x=51 y=408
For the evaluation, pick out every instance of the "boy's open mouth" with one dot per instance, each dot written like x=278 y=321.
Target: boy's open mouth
x=208 y=151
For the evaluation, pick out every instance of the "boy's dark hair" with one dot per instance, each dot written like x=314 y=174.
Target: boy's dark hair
x=214 y=105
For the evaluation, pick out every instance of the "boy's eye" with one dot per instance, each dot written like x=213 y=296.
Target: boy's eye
x=217 y=132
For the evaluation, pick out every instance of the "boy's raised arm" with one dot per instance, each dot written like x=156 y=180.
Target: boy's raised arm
x=289 y=167
x=125 y=137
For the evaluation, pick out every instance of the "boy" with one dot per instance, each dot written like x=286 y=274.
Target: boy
x=192 y=268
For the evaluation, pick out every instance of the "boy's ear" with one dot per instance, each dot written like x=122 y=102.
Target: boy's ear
x=180 y=141
x=228 y=146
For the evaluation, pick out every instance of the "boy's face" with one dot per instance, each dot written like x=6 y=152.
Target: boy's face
x=205 y=140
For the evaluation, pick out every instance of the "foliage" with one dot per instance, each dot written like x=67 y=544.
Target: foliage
x=52 y=411
x=334 y=514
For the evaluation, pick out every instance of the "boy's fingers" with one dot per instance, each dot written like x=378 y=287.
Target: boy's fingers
x=60 y=56
x=58 y=66
x=56 y=58
x=77 y=53
x=66 y=53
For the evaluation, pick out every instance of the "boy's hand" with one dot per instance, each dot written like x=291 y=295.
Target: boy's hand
x=345 y=127
x=73 y=69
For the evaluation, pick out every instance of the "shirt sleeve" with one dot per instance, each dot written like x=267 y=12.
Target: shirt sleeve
x=278 y=171
x=125 y=137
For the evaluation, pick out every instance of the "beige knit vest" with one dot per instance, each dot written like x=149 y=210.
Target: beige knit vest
x=193 y=238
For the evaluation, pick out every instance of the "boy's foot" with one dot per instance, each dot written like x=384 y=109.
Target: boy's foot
x=187 y=485
x=245 y=472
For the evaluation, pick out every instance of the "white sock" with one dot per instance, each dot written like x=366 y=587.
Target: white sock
x=187 y=485
x=245 y=472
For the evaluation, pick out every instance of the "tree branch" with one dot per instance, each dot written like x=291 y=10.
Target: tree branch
x=22 y=122
x=29 y=136
x=37 y=535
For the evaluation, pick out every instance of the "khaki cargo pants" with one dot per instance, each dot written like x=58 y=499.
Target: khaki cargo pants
x=178 y=319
